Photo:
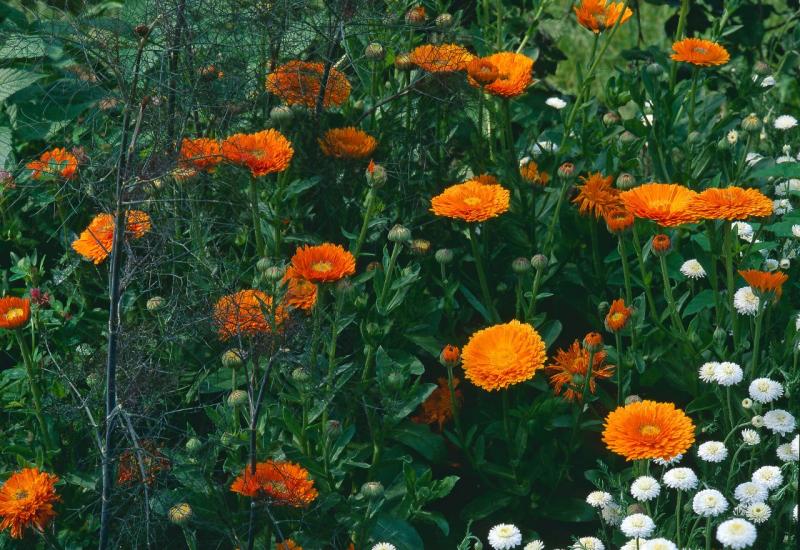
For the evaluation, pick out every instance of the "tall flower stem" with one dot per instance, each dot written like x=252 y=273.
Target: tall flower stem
x=708 y=533
x=620 y=378
x=762 y=307
x=387 y=282
x=678 y=35
x=487 y=297
x=480 y=123
x=36 y=391
x=714 y=274
x=678 y=519
x=256 y=217
x=728 y=245
x=692 y=95
x=365 y=224
x=673 y=309
x=626 y=275
x=651 y=303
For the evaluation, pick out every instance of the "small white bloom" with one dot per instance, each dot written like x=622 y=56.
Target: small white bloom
x=785 y=453
x=645 y=488
x=669 y=461
x=794 y=512
x=785 y=122
x=633 y=544
x=712 y=451
x=745 y=301
x=765 y=390
x=781 y=207
x=732 y=137
x=785 y=263
x=637 y=525
x=736 y=533
x=588 y=543
x=757 y=421
x=784 y=187
x=534 y=545
x=779 y=421
x=758 y=512
x=751 y=438
x=795 y=446
x=658 y=544
x=682 y=479
x=769 y=476
x=709 y=503
x=751 y=159
x=504 y=536
x=556 y=103
x=708 y=371
x=768 y=81
x=384 y=546
x=728 y=374
x=796 y=230
x=747 y=403
x=611 y=514
x=648 y=119
x=544 y=147
x=786 y=157
x=692 y=269
x=743 y=230
x=598 y=499
x=749 y=492
x=771 y=264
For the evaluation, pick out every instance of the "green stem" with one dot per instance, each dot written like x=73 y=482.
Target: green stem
x=673 y=309
x=387 y=282
x=757 y=338
x=708 y=533
x=487 y=297
x=256 y=217
x=626 y=274
x=620 y=379
x=728 y=245
x=678 y=519
x=714 y=274
x=692 y=94
x=678 y=34
x=651 y=303
x=36 y=392
x=365 y=224
x=598 y=266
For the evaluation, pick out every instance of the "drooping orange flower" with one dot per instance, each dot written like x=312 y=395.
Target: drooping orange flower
x=324 y=263
x=55 y=162
x=648 y=430
x=265 y=152
x=300 y=82
x=482 y=71
x=95 y=242
x=501 y=355
x=667 y=204
x=437 y=408
x=514 y=74
x=661 y=243
x=347 y=143
x=247 y=313
x=201 y=153
x=529 y=171
x=618 y=315
x=26 y=500
x=129 y=470
x=440 y=58
x=730 y=203
x=569 y=370
x=14 y=312
x=769 y=283
x=288 y=544
x=471 y=201
x=300 y=293
x=598 y=15
x=703 y=53
x=283 y=483
x=597 y=195
x=618 y=219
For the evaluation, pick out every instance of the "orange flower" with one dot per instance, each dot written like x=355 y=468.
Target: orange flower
x=56 y=162
x=347 y=143
x=153 y=462
x=618 y=315
x=437 y=408
x=664 y=203
x=288 y=544
x=444 y=58
x=14 y=312
x=618 y=219
x=96 y=241
x=648 y=430
x=324 y=263
x=593 y=341
x=26 y=500
x=501 y=355
x=514 y=74
x=450 y=356
x=703 y=53
x=201 y=153
x=482 y=71
x=300 y=293
x=264 y=152
x=661 y=244
x=765 y=282
x=529 y=171
x=283 y=482
x=247 y=312
x=730 y=203
x=597 y=195
x=471 y=201
x=300 y=82
x=598 y=15
x=569 y=369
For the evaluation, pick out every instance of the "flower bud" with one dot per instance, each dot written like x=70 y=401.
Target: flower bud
x=420 y=247
x=593 y=342
x=376 y=175
x=450 y=356
x=661 y=244
x=141 y=30
x=655 y=69
x=274 y=273
x=372 y=489
x=785 y=263
x=193 y=445
x=180 y=513
x=399 y=234
x=478 y=545
x=301 y=375
x=237 y=398
x=626 y=138
x=334 y=427
x=732 y=137
x=233 y=358
x=374 y=52
x=723 y=145
x=444 y=256
x=611 y=118
x=92 y=379
x=263 y=264
x=403 y=62
x=444 y=21
x=521 y=266
x=155 y=303
x=747 y=403
x=416 y=15
x=626 y=181
x=632 y=399
x=394 y=381
x=566 y=170
x=751 y=123
x=602 y=308
x=693 y=137
x=757 y=421
x=539 y=262
x=281 y=115
x=636 y=508
x=720 y=335
x=761 y=68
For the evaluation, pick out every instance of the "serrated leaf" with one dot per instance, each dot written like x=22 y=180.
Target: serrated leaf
x=14 y=80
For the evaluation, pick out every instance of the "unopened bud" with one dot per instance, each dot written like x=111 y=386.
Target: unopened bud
x=372 y=489
x=416 y=15
x=720 y=335
x=233 y=358
x=444 y=20
x=399 y=234
x=450 y=356
x=376 y=175
x=281 y=115
x=602 y=308
x=747 y=403
x=237 y=398
x=334 y=427
x=403 y=62
x=395 y=380
x=374 y=52
x=626 y=138
x=263 y=264
x=661 y=244
x=566 y=170
x=193 y=445
x=141 y=30
x=539 y=262
x=420 y=247
x=155 y=303
x=274 y=273
x=655 y=69
x=180 y=513
x=751 y=123
x=300 y=375
x=611 y=118
x=444 y=256
x=632 y=399
x=625 y=181
x=593 y=342
x=693 y=137
x=521 y=266
x=761 y=68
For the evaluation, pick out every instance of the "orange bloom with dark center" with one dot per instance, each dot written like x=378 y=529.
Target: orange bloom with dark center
x=324 y=263
x=201 y=153
x=129 y=471
x=438 y=407
x=26 y=500
x=765 y=282
x=648 y=430
x=618 y=315
x=529 y=171
x=450 y=355
x=667 y=204
x=569 y=370
x=482 y=71
x=514 y=74
x=597 y=195
x=703 y=53
x=618 y=219
x=347 y=143
x=471 y=201
x=283 y=483
x=247 y=313
x=300 y=82
x=265 y=152
x=730 y=203
x=288 y=544
x=598 y=15
x=501 y=355
x=56 y=162
x=661 y=244
x=300 y=293
x=443 y=58
x=96 y=241
x=14 y=312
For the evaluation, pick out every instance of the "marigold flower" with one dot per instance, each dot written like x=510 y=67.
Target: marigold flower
x=661 y=244
x=347 y=143
x=471 y=201
x=438 y=407
x=96 y=241
x=152 y=460
x=569 y=370
x=501 y=355
x=529 y=171
x=284 y=483
x=514 y=74
x=56 y=162
x=593 y=341
x=618 y=219
x=14 y=312
x=482 y=71
x=765 y=282
x=26 y=500
x=324 y=263
x=201 y=153
x=300 y=82
x=288 y=544
x=703 y=53
x=598 y=15
x=618 y=315
x=265 y=152
x=730 y=203
x=300 y=293
x=442 y=58
x=667 y=204
x=648 y=430
x=597 y=195
x=450 y=355
x=247 y=313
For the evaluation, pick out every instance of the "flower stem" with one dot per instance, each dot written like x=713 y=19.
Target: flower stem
x=620 y=379
x=626 y=274
x=487 y=297
x=692 y=95
x=757 y=338
x=256 y=217
x=728 y=245
x=651 y=303
x=678 y=519
x=365 y=224
x=673 y=310
x=36 y=392
x=387 y=282
x=678 y=34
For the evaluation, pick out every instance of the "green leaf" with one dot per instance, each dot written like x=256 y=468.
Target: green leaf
x=14 y=80
x=5 y=145
x=781 y=170
x=420 y=438
x=703 y=300
x=21 y=46
x=398 y=531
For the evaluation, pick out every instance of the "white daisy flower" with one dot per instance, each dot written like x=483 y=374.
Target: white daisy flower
x=785 y=122
x=634 y=544
x=794 y=512
x=771 y=264
x=556 y=103
x=795 y=446
x=784 y=187
x=765 y=390
x=598 y=499
x=658 y=544
x=637 y=525
x=732 y=137
x=745 y=301
x=751 y=438
x=769 y=476
x=712 y=451
x=728 y=374
x=534 y=545
x=611 y=514
x=785 y=263
x=781 y=207
x=709 y=503
x=768 y=81
x=749 y=492
x=708 y=371
x=796 y=230
x=744 y=231
x=736 y=533
x=785 y=453
x=758 y=512
x=384 y=546
x=692 y=269
x=779 y=421
x=757 y=421
x=588 y=543
x=751 y=159
x=682 y=479
x=645 y=488
x=668 y=461
x=504 y=536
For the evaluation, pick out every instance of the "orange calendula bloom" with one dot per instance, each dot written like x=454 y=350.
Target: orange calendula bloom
x=703 y=53
x=730 y=203
x=667 y=204
x=529 y=171
x=472 y=201
x=26 y=500
x=482 y=72
x=618 y=315
x=440 y=58
x=501 y=355
x=661 y=244
x=300 y=293
x=265 y=152
x=598 y=15
x=324 y=263
x=56 y=162
x=618 y=219
x=437 y=408
x=14 y=312
x=152 y=460
x=648 y=430
x=450 y=356
x=569 y=370
x=514 y=74
x=201 y=153
x=288 y=544
x=283 y=483
x=247 y=313
x=597 y=195
x=96 y=241
x=347 y=143
x=765 y=282
x=300 y=82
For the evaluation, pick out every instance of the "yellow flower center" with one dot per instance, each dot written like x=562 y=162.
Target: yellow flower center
x=21 y=494
x=15 y=313
x=649 y=430
x=617 y=317
x=322 y=267
x=472 y=201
